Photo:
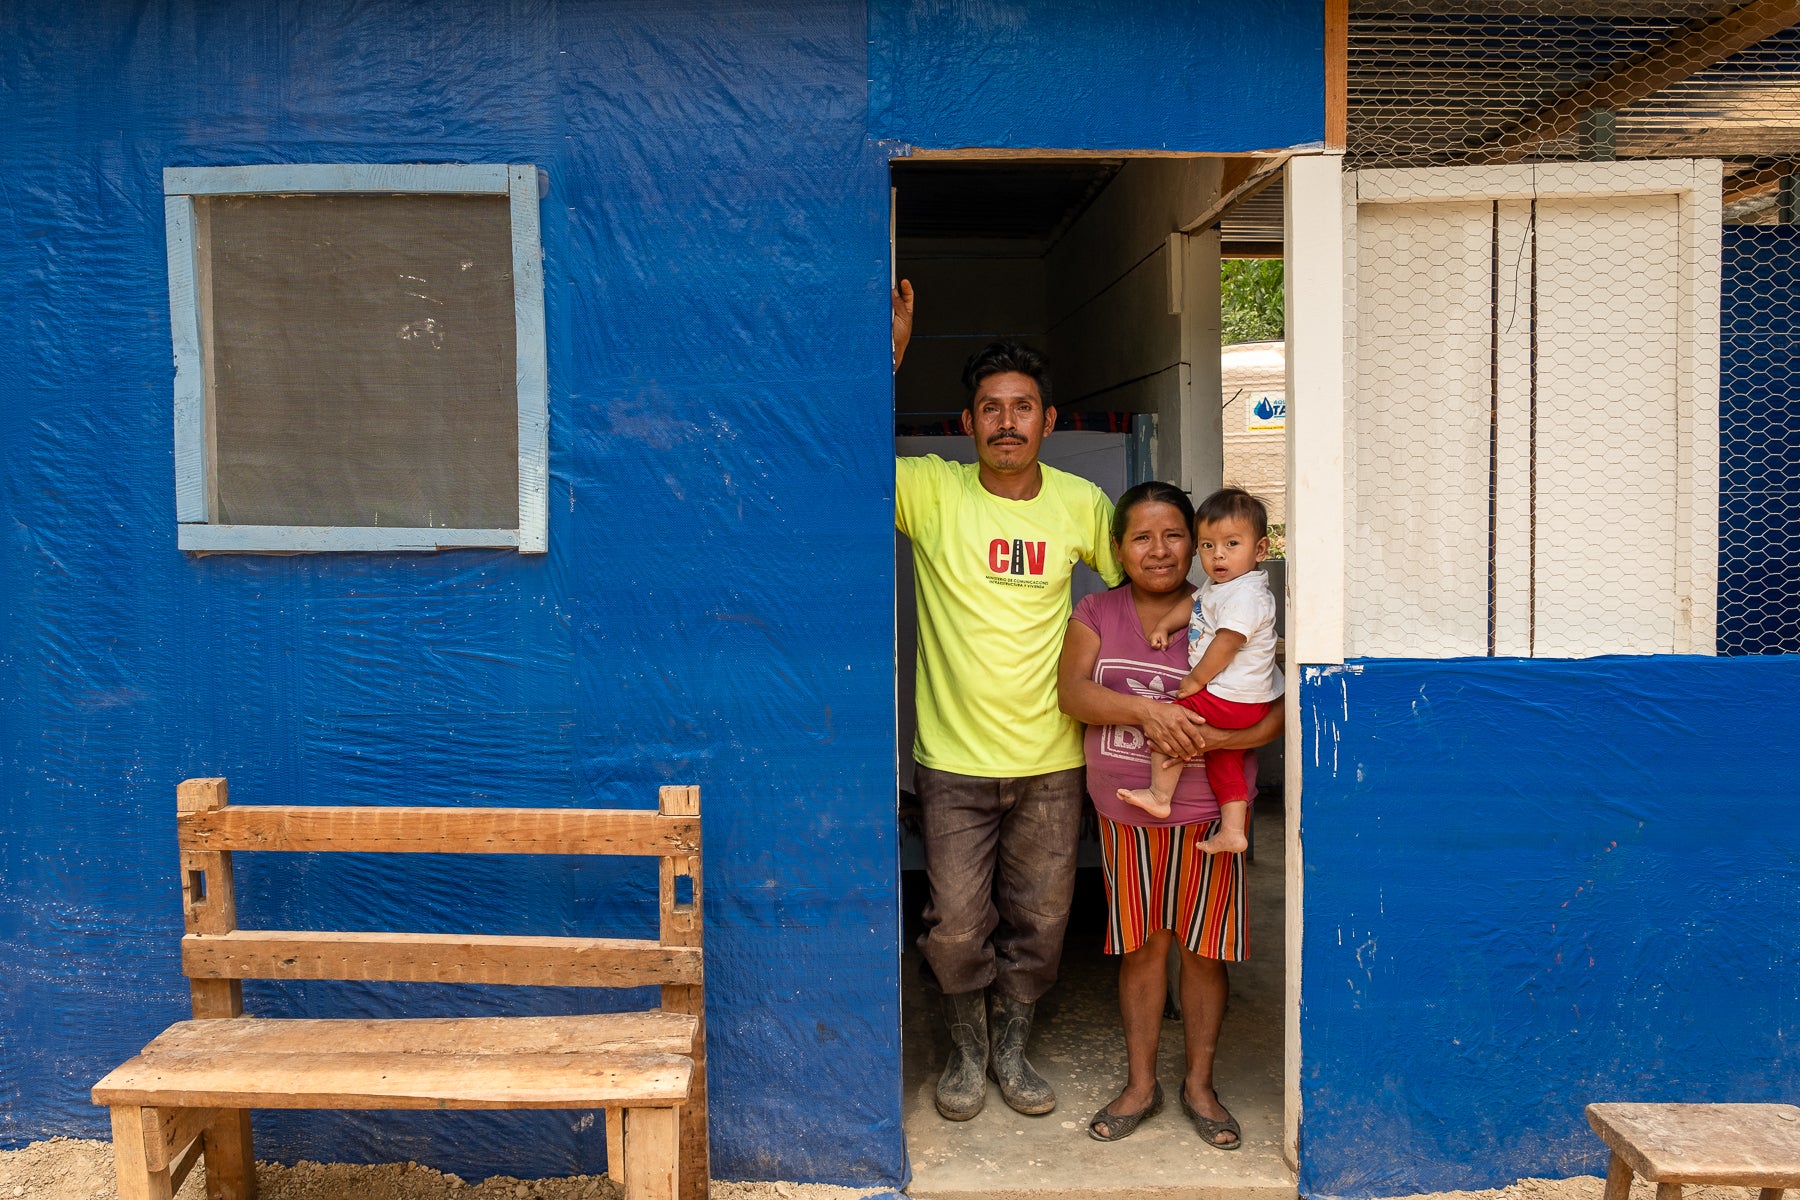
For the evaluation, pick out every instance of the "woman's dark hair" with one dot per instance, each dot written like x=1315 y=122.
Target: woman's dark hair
x=998 y=358
x=1154 y=492
x=1235 y=504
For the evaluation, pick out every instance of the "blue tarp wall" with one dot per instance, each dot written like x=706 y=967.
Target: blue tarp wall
x=715 y=607
x=1532 y=885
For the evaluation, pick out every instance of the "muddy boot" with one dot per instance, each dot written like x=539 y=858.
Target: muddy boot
x=1020 y=1085
x=961 y=1089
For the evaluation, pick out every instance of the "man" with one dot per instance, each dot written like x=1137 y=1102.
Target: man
x=999 y=778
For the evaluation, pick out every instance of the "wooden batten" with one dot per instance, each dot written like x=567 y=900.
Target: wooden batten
x=593 y=1033
x=438 y=958
x=339 y=1079
x=682 y=925
x=287 y=827
x=1337 y=74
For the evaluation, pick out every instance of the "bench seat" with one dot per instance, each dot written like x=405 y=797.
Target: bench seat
x=635 y=1059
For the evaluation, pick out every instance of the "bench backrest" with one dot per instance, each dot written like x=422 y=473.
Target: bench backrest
x=216 y=954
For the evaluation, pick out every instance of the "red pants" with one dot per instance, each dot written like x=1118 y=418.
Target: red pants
x=1225 y=768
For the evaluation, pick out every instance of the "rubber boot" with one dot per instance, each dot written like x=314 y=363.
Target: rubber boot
x=962 y=1089
x=1023 y=1089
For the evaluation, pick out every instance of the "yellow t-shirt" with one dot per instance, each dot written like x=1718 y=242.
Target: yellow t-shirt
x=991 y=577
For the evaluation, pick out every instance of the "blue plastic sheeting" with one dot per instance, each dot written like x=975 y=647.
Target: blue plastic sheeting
x=1534 y=885
x=715 y=607
x=1759 y=442
x=1211 y=75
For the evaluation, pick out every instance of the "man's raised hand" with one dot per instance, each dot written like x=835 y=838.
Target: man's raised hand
x=903 y=318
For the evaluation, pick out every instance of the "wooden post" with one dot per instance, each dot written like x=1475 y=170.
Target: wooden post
x=1337 y=73
x=131 y=1160
x=654 y=1152
x=209 y=905
x=681 y=926
x=1618 y=1178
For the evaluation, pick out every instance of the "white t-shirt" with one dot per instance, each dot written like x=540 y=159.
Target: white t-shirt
x=1243 y=605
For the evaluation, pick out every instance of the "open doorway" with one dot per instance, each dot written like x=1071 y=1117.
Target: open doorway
x=1108 y=265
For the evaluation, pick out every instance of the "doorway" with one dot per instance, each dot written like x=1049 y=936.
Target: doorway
x=1085 y=257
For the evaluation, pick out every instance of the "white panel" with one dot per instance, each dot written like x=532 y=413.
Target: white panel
x=1513 y=329
x=1315 y=294
x=1418 y=538
x=1608 y=413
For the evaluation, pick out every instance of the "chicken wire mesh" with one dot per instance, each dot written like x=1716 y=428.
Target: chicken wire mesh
x=1759 y=443
x=1556 y=448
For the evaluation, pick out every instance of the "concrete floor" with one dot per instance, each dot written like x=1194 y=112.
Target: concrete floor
x=1077 y=1045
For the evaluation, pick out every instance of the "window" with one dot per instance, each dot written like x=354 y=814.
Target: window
x=359 y=357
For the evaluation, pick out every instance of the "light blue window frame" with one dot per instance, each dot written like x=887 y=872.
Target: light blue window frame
x=518 y=182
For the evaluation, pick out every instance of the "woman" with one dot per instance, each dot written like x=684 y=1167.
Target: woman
x=1160 y=888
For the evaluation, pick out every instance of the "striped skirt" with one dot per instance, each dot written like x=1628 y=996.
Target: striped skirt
x=1158 y=878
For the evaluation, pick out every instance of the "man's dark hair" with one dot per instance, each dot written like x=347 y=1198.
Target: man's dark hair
x=1233 y=504
x=1153 y=492
x=998 y=358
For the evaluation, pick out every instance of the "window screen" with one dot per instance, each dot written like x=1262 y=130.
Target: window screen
x=1529 y=459
x=361 y=360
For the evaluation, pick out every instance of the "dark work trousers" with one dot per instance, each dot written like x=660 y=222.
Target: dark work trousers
x=1000 y=856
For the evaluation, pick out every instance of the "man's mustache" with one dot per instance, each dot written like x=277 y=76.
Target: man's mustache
x=1005 y=436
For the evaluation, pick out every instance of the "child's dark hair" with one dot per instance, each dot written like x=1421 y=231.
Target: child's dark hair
x=1234 y=504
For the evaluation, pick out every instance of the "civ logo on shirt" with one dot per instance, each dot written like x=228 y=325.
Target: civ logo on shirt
x=1017 y=557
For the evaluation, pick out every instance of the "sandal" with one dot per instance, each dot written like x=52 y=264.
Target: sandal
x=1123 y=1125
x=1211 y=1129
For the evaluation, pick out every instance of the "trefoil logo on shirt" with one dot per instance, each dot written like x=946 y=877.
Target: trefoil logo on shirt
x=1017 y=557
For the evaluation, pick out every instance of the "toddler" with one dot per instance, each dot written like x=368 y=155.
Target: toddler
x=1231 y=648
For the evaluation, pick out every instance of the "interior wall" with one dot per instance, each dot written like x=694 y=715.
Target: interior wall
x=967 y=295
x=1131 y=334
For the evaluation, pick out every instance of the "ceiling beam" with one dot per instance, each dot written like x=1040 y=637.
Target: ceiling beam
x=1240 y=179
x=1643 y=75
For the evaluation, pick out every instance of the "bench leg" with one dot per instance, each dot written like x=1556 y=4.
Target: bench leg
x=131 y=1158
x=615 y=1145
x=230 y=1166
x=1668 y=1191
x=1618 y=1179
x=1771 y=1194
x=652 y=1153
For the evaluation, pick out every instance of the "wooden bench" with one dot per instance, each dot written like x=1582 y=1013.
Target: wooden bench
x=1736 y=1145
x=188 y=1096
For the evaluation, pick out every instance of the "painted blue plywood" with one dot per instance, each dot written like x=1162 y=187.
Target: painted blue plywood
x=720 y=524
x=1759 y=442
x=1531 y=885
x=1212 y=75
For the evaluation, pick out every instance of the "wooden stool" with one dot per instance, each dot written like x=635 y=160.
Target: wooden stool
x=1739 y=1145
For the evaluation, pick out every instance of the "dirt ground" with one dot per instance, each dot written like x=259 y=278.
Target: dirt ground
x=75 y=1169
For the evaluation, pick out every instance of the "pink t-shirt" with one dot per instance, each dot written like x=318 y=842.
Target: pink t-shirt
x=1117 y=755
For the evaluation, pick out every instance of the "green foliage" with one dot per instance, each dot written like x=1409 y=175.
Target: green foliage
x=1250 y=301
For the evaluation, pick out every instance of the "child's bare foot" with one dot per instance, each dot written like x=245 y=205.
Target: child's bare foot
x=1226 y=841
x=1146 y=799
